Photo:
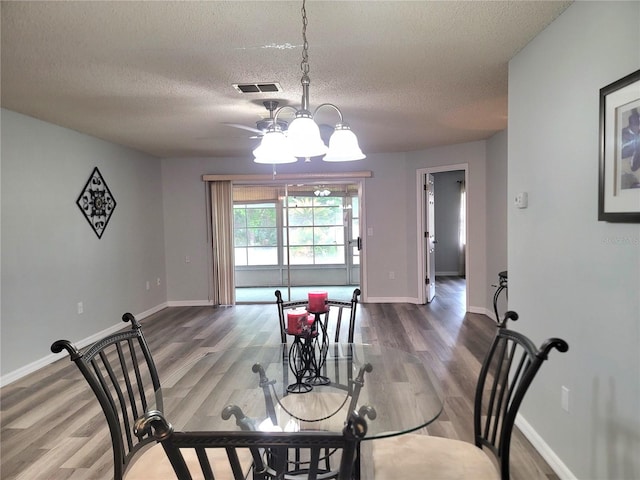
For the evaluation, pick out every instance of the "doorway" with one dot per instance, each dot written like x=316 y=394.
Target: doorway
x=442 y=227
x=296 y=236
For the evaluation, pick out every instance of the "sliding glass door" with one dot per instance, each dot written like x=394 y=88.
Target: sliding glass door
x=293 y=237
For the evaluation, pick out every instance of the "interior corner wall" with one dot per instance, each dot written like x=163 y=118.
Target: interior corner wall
x=497 y=202
x=570 y=275
x=51 y=257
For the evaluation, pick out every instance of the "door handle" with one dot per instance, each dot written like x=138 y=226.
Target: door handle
x=359 y=243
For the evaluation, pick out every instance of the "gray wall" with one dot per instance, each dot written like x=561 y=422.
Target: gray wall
x=447 y=222
x=475 y=155
x=390 y=198
x=52 y=259
x=569 y=274
x=497 y=203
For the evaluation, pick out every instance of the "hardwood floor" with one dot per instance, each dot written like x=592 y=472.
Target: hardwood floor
x=53 y=429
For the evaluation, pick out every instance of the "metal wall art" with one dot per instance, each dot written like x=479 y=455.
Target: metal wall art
x=96 y=202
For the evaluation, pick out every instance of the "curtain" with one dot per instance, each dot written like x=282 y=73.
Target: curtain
x=224 y=292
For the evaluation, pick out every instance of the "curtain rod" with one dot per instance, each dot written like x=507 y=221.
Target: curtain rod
x=287 y=176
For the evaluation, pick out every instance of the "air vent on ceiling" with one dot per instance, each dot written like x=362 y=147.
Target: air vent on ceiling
x=257 y=87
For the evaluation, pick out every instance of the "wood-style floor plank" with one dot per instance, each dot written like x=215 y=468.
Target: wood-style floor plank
x=52 y=427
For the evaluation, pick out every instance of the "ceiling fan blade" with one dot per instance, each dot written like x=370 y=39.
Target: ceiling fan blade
x=244 y=127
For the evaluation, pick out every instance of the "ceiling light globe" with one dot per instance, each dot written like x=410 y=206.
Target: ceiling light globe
x=273 y=149
x=304 y=138
x=343 y=146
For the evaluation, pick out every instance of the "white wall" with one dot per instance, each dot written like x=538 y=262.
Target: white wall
x=52 y=259
x=570 y=275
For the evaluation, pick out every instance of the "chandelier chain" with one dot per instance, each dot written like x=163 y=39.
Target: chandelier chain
x=304 y=65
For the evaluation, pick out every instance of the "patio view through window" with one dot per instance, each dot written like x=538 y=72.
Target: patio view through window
x=317 y=233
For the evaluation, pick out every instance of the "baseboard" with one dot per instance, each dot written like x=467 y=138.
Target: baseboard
x=390 y=300
x=447 y=274
x=482 y=311
x=544 y=449
x=49 y=359
x=189 y=303
x=151 y=311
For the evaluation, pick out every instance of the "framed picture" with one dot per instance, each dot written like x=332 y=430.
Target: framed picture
x=619 y=174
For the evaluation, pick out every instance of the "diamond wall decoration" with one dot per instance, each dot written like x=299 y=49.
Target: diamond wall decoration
x=96 y=202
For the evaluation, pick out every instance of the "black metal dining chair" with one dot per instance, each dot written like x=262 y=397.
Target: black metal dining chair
x=507 y=372
x=338 y=310
x=121 y=372
x=502 y=286
x=328 y=410
x=270 y=450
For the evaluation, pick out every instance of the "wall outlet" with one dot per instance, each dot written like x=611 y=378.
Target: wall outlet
x=148 y=286
x=158 y=281
x=521 y=200
x=392 y=275
x=564 y=398
x=187 y=259
x=80 y=308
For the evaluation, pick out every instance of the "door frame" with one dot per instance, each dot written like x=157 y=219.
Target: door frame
x=354 y=178
x=422 y=227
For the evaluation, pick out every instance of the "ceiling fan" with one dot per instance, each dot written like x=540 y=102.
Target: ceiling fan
x=263 y=124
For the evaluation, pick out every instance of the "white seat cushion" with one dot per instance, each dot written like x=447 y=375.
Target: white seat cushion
x=420 y=457
x=153 y=463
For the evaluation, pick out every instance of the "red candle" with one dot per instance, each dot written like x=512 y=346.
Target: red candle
x=317 y=301
x=295 y=320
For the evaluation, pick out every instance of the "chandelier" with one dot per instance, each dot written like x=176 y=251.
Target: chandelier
x=302 y=138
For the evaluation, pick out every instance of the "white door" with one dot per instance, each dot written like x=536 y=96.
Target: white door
x=352 y=225
x=430 y=238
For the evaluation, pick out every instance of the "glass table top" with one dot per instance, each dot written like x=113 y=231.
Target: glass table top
x=398 y=392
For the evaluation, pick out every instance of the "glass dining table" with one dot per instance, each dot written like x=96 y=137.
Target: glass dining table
x=394 y=390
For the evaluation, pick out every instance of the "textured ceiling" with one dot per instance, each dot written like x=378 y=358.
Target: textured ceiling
x=157 y=76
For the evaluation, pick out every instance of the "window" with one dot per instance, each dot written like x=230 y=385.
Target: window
x=319 y=231
x=255 y=234
x=316 y=231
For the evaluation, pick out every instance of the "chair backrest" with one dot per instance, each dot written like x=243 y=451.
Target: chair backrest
x=339 y=309
x=120 y=370
x=344 y=394
x=283 y=308
x=271 y=451
x=503 y=284
x=507 y=372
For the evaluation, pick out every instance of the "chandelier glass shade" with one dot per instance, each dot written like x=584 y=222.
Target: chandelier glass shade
x=302 y=139
x=274 y=149
x=343 y=146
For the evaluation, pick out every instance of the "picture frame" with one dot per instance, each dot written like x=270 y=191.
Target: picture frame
x=619 y=159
